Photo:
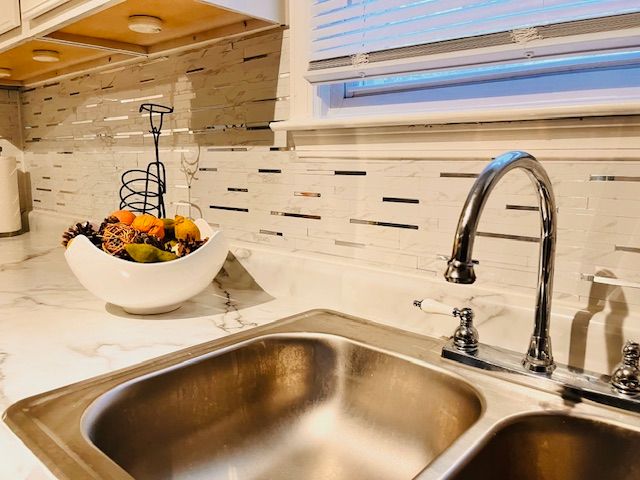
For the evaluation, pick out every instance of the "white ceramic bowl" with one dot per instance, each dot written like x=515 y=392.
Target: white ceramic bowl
x=148 y=288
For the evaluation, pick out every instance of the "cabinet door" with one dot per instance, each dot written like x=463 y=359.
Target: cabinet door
x=33 y=8
x=10 y=17
x=269 y=10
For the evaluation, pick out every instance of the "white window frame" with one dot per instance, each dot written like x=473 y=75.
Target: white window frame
x=325 y=106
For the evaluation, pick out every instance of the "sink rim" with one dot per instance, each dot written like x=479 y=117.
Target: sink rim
x=501 y=398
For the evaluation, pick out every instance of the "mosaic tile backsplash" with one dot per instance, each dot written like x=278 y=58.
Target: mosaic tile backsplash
x=395 y=211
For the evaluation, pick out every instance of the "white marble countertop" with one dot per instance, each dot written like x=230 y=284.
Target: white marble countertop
x=53 y=332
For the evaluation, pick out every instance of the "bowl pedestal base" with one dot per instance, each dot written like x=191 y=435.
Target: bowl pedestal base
x=152 y=310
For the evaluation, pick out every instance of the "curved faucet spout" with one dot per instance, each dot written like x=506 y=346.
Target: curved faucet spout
x=460 y=267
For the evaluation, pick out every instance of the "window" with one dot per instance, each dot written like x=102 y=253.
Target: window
x=411 y=56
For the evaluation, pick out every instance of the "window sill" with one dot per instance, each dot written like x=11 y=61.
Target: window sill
x=626 y=107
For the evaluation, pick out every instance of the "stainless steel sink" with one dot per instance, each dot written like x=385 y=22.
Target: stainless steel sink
x=555 y=447
x=323 y=396
x=316 y=396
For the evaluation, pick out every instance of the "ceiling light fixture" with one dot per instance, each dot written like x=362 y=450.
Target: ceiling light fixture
x=5 y=72
x=145 y=24
x=46 y=56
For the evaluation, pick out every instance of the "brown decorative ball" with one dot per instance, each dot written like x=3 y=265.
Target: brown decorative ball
x=115 y=236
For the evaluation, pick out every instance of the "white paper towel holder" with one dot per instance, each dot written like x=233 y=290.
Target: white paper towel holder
x=10 y=216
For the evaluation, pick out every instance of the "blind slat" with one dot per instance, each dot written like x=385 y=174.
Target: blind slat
x=348 y=27
x=321 y=9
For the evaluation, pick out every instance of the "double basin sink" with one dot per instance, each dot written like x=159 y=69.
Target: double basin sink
x=320 y=396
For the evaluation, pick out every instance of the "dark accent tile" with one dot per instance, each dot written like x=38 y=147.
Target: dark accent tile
x=296 y=215
x=529 y=208
x=400 y=200
x=458 y=175
x=504 y=236
x=622 y=248
x=231 y=209
x=613 y=178
x=271 y=232
x=383 y=224
x=256 y=57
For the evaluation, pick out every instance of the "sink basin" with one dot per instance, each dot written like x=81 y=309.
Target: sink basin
x=283 y=407
x=314 y=397
x=555 y=447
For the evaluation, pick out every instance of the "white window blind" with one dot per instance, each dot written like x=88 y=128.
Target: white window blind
x=371 y=37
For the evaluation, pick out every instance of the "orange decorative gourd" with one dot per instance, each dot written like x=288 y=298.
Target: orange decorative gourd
x=185 y=228
x=124 y=216
x=149 y=224
x=157 y=229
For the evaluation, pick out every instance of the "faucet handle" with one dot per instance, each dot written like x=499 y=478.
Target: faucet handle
x=466 y=337
x=428 y=305
x=626 y=377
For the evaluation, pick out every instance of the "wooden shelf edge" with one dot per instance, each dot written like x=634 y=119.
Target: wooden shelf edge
x=95 y=43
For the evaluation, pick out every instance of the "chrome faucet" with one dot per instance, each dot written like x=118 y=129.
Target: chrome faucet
x=460 y=269
x=621 y=389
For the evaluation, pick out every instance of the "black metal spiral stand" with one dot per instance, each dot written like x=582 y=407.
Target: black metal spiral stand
x=151 y=199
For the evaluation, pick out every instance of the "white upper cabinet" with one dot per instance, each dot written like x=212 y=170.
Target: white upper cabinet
x=10 y=17
x=269 y=10
x=33 y=8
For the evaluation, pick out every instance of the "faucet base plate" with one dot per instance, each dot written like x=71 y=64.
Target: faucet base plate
x=571 y=383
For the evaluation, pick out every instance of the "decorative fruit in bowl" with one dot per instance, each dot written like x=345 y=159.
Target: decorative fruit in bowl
x=141 y=272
